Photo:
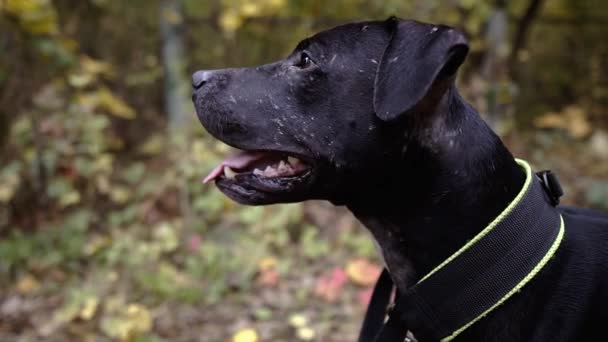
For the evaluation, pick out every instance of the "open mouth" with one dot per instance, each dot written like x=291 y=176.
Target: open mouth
x=262 y=177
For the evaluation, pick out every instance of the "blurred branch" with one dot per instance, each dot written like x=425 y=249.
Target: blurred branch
x=523 y=29
x=588 y=20
x=40 y=170
x=4 y=130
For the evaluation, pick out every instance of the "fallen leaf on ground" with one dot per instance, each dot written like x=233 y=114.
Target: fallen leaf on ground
x=245 y=335
x=329 y=286
x=298 y=320
x=89 y=308
x=268 y=277
x=267 y=263
x=363 y=272
x=306 y=334
x=27 y=284
x=194 y=243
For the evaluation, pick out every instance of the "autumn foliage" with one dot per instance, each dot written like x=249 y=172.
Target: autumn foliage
x=106 y=232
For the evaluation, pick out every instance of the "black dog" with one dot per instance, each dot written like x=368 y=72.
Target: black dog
x=367 y=115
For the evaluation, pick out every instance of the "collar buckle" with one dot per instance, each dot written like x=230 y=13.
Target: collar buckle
x=551 y=185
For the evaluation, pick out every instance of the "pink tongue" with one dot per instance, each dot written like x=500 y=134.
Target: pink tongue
x=238 y=161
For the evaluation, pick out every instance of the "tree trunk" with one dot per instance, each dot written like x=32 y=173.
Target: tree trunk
x=177 y=89
x=176 y=85
x=493 y=68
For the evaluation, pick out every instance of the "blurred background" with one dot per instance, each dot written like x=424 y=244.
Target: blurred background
x=106 y=232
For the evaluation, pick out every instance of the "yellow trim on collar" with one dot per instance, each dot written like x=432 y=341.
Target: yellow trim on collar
x=535 y=270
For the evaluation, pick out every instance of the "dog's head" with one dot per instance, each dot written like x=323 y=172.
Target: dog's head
x=330 y=117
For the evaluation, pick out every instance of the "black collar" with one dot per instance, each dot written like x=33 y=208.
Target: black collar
x=480 y=276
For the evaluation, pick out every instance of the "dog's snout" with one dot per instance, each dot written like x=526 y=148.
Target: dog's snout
x=201 y=77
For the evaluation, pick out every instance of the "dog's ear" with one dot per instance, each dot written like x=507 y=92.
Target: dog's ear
x=416 y=56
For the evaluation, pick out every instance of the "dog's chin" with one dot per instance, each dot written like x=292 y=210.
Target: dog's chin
x=250 y=189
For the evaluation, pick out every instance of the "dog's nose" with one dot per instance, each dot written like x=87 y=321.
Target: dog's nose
x=200 y=77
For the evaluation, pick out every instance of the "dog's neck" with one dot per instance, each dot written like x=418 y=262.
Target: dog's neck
x=455 y=177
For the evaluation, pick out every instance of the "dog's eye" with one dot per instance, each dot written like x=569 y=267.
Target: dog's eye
x=305 y=61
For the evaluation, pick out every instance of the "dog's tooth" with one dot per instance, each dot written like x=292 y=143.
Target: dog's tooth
x=258 y=172
x=282 y=166
x=270 y=172
x=229 y=173
x=293 y=161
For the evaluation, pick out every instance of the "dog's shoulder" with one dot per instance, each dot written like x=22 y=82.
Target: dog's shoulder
x=585 y=213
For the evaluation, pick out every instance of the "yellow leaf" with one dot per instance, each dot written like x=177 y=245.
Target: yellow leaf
x=140 y=318
x=103 y=184
x=45 y=26
x=27 y=284
x=250 y=9
x=298 y=320
x=245 y=335
x=6 y=193
x=125 y=323
x=95 y=244
x=165 y=235
x=579 y=126
x=70 y=198
x=104 y=163
x=35 y=16
x=306 y=334
x=114 y=105
x=276 y=4
x=95 y=67
x=89 y=308
x=230 y=21
x=363 y=272
x=550 y=120
x=153 y=145
x=9 y=182
x=17 y=6
x=80 y=79
x=120 y=194
x=267 y=263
